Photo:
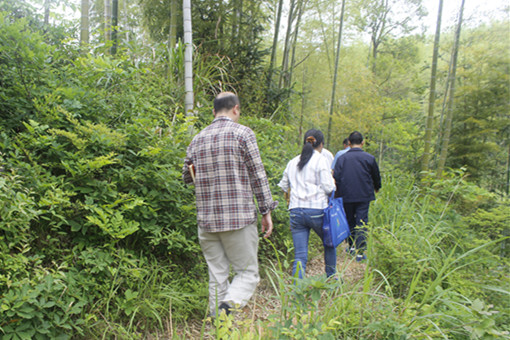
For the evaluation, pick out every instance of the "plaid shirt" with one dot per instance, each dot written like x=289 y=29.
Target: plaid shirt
x=228 y=172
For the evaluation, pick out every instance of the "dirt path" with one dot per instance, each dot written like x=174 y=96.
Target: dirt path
x=264 y=302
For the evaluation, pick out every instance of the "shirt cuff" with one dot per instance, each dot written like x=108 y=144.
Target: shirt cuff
x=268 y=208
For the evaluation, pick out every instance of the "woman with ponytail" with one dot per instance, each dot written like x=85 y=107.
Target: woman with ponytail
x=308 y=178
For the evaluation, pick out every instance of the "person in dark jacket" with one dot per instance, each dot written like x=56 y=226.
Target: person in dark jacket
x=357 y=177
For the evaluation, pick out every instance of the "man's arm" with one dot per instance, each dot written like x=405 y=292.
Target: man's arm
x=376 y=176
x=334 y=162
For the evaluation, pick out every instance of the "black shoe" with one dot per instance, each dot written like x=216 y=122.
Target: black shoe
x=226 y=308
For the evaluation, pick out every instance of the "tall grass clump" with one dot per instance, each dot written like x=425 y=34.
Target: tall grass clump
x=448 y=277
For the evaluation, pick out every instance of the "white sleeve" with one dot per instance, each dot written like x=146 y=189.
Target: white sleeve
x=326 y=179
x=284 y=182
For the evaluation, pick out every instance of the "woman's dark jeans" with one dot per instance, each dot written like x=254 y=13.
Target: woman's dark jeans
x=301 y=222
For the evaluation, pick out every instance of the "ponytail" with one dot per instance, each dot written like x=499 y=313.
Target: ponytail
x=313 y=139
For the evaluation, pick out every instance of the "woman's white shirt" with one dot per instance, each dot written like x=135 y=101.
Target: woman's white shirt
x=310 y=186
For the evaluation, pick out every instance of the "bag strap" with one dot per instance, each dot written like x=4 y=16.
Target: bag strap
x=331 y=197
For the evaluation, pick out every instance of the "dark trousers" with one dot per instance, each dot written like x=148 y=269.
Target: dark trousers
x=357 y=217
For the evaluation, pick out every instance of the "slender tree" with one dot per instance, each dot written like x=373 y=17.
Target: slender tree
x=107 y=20
x=84 y=29
x=432 y=95
x=125 y=18
x=172 y=38
x=286 y=47
x=219 y=29
x=115 y=24
x=188 y=57
x=237 y=11
x=303 y=102
x=272 y=62
x=451 y=80
x=288 y=77
x=339 y=44
x=47 y=5
x=172 y=32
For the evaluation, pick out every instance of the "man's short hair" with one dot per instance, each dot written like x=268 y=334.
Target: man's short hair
x=356 y=138
x=225 y=101
x=346 y=141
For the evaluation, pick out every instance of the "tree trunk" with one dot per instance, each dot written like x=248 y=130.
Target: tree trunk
x=47 y=12
x=379 y=30
x=125 y=17
x=107 y=20
x=218 y=31
x=303 y=102
x=286 y=47
x=172 y=32
x=449 y=116
x=188 y=58
x=236 y=19
x=172 y=39
x=275 y=44
x=115 y=25
x=301 y=5
x=444 y=105
x=84 y=29
x=339 y=44
x=425 y=166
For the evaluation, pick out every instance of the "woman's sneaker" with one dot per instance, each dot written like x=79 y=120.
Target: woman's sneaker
x=360 y=257
x=351 y=251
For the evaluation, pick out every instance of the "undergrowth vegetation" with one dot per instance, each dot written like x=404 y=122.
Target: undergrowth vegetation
x=98 y=232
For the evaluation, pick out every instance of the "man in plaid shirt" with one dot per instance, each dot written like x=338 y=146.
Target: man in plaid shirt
x=224 y=162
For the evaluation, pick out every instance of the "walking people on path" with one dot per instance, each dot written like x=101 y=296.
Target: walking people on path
x=357 y=177
x=224 y=162
x=308 y=178
x=346 y=148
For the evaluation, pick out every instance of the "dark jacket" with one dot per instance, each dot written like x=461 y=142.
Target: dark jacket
x=357 y=176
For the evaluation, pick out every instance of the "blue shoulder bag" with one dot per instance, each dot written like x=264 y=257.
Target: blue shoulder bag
x=335 y=227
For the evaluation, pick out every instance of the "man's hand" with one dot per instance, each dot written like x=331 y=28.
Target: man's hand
x=267 y=225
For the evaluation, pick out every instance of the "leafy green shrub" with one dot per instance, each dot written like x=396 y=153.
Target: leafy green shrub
x=91 y=182
x=45 y=308
x=494 y=222
x=23 y=70
x=17 y=210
